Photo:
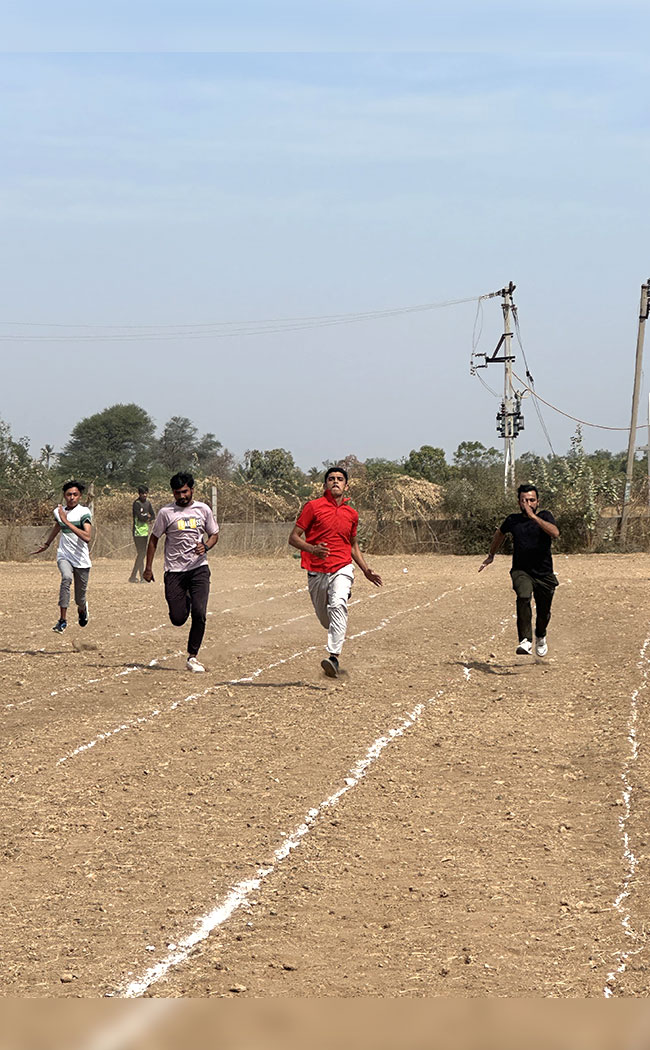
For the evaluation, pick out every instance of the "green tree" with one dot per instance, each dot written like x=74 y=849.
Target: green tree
x=381 y=468
x=114 y=446
x=272 y=469
x=471 y=455
x=177 y=445
x=427 y=462
x=47 y=454
x=213 y=458
x=24 y=483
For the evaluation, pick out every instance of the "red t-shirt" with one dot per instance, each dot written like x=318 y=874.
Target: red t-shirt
x=325 y=522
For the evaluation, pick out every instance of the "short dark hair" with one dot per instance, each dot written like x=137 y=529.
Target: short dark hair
x=180 y=479
x=336 y=470
x=527 y=488
x=142 y=488
x=74 y=485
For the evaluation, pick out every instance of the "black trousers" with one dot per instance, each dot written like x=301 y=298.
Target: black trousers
x=542 y=588
x=189 y=592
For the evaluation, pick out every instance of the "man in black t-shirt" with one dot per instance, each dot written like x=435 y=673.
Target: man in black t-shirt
x=532 y=567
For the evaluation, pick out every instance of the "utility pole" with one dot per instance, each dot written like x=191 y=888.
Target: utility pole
x=510 y=421
x=631 y=445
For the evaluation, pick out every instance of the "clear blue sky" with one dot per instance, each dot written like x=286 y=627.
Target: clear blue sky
x=211 y=162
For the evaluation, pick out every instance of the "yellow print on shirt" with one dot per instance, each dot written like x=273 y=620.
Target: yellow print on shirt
x=186 y=523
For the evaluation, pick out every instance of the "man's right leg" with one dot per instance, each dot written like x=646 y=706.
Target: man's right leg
x=177 y=597
x=522 y=584
x=133 y=578
x=65 y=568
x=141 y=548
x=317 y=583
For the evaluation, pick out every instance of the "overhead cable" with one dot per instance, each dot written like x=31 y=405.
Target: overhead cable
x=213 y=330
x=583 y=422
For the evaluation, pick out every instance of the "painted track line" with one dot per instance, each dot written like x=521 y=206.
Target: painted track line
x=239 y=894
x=629 y=859
x=141 y=720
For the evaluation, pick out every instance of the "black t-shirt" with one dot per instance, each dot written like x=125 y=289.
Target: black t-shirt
x=143 y=513
x=531 y=545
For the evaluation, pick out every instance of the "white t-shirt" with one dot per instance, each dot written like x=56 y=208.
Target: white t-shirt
x=71 y=547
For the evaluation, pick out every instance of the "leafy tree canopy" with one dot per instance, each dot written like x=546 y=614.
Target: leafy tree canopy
x=427 y=462
x=380 y=468
x=180 y=448
x=114 y=446
x=473 y=454
x=272 y=468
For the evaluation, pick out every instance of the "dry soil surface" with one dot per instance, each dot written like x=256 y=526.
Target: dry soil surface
x=445 y=819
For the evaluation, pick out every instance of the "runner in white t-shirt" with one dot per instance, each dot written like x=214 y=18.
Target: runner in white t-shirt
x=184 y=525
x=73 y=522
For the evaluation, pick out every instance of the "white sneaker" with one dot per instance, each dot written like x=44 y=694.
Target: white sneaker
x=524 y=648
x=541 y=648
x=194 y=665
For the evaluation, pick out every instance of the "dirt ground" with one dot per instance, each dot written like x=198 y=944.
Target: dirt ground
x=446 y=819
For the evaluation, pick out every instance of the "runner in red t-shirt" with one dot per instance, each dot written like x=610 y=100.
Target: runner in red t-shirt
x=326 y=533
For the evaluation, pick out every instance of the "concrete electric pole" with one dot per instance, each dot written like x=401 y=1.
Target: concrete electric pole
x=510 y=421
x=631 y=446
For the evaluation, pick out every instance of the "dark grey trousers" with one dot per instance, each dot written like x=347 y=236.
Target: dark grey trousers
x=542 y=589
x=80 y=576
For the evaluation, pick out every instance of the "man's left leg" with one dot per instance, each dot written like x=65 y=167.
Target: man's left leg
x=543 y=591
x=81 y=577
x=338 y=595
x=199 y=593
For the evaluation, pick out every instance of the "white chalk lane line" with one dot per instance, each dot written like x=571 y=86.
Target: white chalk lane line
x=170 y=656
x=239 y=894
x=156 y=712
x=630 y=861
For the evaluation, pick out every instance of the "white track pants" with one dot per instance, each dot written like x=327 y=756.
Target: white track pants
x=330 y=593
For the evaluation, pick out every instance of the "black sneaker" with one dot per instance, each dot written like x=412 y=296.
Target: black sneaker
x=330 y=667
x=84 y=616
x=60 y=626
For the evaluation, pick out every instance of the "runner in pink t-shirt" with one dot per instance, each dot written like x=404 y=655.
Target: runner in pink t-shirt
x=184 y=524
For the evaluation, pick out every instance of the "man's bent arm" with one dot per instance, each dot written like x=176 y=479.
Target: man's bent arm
x=546 y=526
x=206 y=545
x=497 y=541
x=84 y=533
x=361 y=562
x=297 y=540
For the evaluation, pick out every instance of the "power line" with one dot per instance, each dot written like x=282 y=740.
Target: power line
x=213 y=329
x=583 y=422
x=531 y=380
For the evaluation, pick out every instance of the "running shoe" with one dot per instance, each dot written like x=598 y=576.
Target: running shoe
x=84 y=616
x=525 y=647
x=330 y=666
x=60 y=626
x=194 y=665
x=541 y=648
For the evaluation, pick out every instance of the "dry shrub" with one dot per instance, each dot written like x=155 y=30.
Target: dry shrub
x=398 y=512
x=235 y=502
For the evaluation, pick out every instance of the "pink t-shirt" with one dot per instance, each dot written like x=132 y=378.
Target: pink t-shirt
x=183 y=528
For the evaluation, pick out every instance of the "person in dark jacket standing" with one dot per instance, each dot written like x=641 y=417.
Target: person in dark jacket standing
x=532 y=573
